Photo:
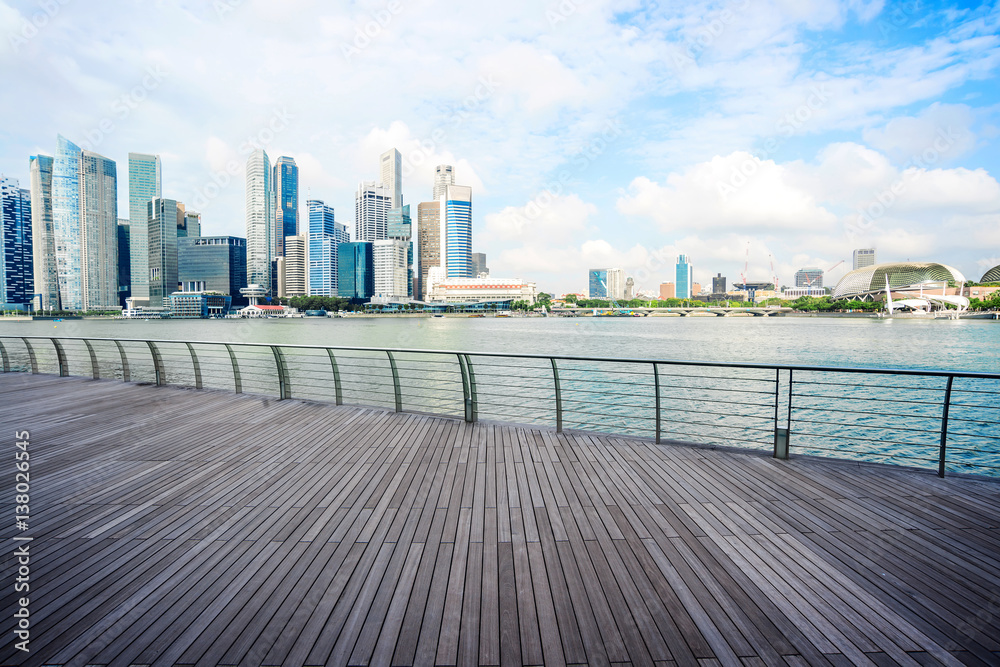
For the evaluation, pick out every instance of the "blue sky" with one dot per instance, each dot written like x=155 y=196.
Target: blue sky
x=595 y=134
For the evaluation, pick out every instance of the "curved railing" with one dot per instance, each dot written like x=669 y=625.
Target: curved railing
x=942 y=420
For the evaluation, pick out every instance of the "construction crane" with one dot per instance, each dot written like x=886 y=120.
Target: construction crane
x=774 y=276
x=809 y=283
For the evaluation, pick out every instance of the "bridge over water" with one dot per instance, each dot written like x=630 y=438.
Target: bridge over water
x=716 y=311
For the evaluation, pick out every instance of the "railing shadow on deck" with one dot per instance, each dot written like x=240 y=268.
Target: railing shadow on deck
x=938 y=420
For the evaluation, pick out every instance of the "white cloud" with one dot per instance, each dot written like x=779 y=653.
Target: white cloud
x=944 y=128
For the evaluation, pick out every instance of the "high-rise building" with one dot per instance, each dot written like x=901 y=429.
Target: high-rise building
x=865 y=257
x=286 y=205
x=144 y=183
x=294 y=278
x=457 y=222
x=401 y=228
x=325 y=234
x=161 y=226
x=66 y=223
x=355 y=275
x=683 y=277
x=479 y=264
x=43 y=246
x=391 y=175
x=668 y=291
x=809 y=277
x=188 y=222
x=607 y=284
x=16 y=259
x=99 y=231
x=124 y=262
x=719 y=284
x=372 y=202
x=444 y=175
x=261 y=240
x=389 y=259
x=213 y=264
x=428 y=244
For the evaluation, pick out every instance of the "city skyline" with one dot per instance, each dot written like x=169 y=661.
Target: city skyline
x=871 y=126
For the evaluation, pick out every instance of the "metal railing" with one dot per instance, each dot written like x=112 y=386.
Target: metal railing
x=942 y=420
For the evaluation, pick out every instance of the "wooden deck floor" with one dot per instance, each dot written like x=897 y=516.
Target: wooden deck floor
x=178 y=527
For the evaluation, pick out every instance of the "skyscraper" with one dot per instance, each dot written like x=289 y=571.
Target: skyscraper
x=295 y=266
x=16 y=260
x=124 y=262
x=444 y=175
x=66 y=223
x=607 y=284
x=865 y=257
x=161 y=221
x=391 y=175
x=809 y=277
x=371 y=212
x=286 y=205
x=144 y=183
x=683 y=278
x=356 y=280
x=389 y=261
x=213 y=264
x=325 y=235
x=457 y=222
x=479 y=264
x=99 y=231
x=261 y=244
x=428 y=243
x=43 y=246
x=719 y=284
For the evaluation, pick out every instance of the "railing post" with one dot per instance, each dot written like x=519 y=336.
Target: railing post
x=3 y=355
x=161 y=375
x=656 y=381
x=197 y=366
x=395 y=382
x=473 y=395
x=468 y=387
x=336 y=378
x=126 y=375
x=93 y=359
x=61 y=356
x=782 y=435
x=284 y=382
x=31 y=356
x=555 y=380
x=236 y=369
x=944 y=426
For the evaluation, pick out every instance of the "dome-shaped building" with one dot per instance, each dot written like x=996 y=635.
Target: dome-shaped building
x=991 y=276
x=870 y=280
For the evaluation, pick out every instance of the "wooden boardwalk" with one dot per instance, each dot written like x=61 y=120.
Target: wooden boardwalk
x=183 y=527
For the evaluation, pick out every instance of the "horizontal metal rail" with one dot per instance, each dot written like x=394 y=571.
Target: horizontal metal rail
x=666 y=400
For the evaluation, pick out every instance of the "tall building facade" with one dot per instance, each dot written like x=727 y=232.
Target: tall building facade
x=444 y=175
x=294 y=279
x=43 y=246
x=391 y=275
x=479 y=264
x=606 y=284
x=400 y=228
x=865 y=257
x=66 y=223
x=457 y=222
x=16 y=259
x=261 y=239
x=99 y=227
x=325 y=235
x=809 y=277
x=286 y=201
x=161 y=224
x=683 y=277
x=124 y=262
x=391 y=175
x=188 y=222
x=371 y=212
x=356 y=276
x=428 y=245
x=213 y=264
x=144 y=183
x=719 y=284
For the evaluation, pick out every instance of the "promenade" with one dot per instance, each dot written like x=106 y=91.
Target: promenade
x=173 y=526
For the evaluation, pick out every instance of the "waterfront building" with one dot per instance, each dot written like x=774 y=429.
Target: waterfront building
x=457 y=223
x=144 y=183
x=719 y=284
x=43 y=241
x=293 y=276
x=683 y=277
x=695 y=288
x=213 y=264
x=391 y=175
x=479 y=267
x=869 y=282
x=796 y=292
x=428 y=245
x=809 y=277
x=286 y=204
x=16 y=258
x=161 y=225
x=444 y=175
x=389 y=259
x=607 y=284
x=466 y=290
x=98 y=243
x=401 y=228
x=355 y=274
x=668 y=291
x=261 y=243
x=199 y=305
x=325 y=234
x=124 y=262
x=372 y=202
x=992 y=275
x=66 y=223
x=865 y=257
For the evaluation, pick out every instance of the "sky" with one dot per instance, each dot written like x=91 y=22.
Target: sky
x=757 y=137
